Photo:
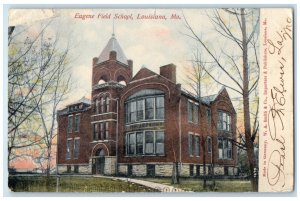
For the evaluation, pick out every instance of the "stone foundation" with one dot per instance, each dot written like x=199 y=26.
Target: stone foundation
x=122 y=169
x=139 y=170
x=163 y=170
x=110 y=165
x=82 y=169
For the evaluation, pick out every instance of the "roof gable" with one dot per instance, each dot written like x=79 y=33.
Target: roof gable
x=143 y=73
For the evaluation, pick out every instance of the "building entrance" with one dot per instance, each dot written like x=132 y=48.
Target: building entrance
x=98 y=162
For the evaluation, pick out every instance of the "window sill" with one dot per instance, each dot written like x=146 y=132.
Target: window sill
x=128 y=156
x=95 y=141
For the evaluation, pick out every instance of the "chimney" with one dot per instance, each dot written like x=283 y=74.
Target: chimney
x=95 y=60
x=169 y=72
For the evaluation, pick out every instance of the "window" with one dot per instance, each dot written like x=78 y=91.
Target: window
x=196 y=113
x=149 y=108
x=140 y=110
x=107 y=103
x=209 y=144
x=77 y=123
x=208 y=117
x=132 y=140
x=106 y=131
x=101 y=131
x=70 y=124
x=149 y=142
x=95 y=131
x=145 y=105
x=97 y=106
x=139 y=143
x=132 y=111
x=160 y=142
x=224 y=121
x=160 y=108
x=76 y=148
x=190 y=111
x=69 y=146
x=145 y=143
x=101 y=105
x=193 y=112
x=225 y=148
x=197 y=145
x=191 y=144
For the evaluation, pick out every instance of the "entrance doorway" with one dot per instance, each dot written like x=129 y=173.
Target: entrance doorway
x=98 y=162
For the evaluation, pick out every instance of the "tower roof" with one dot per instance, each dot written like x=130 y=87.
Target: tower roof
x=112 y=45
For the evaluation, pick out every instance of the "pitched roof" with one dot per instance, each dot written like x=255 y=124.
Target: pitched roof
x=82 y=100
x=204 y=99
x=112 y=45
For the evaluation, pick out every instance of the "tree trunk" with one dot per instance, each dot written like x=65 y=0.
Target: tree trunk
x=247 y=125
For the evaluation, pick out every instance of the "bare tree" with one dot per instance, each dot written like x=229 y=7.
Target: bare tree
x=238 y=62
x=195 y=80
x=39 y=78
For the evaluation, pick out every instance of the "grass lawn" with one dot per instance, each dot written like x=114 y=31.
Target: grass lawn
x=73 y=184
x=196 y=185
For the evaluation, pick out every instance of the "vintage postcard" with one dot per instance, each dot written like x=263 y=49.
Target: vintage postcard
x=150 y=100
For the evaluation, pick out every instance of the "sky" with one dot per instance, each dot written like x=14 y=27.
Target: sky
x=148 y=42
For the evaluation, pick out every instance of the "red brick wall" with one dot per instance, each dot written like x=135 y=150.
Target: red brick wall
x=85 y=135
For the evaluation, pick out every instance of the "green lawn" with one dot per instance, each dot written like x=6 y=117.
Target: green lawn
x=196 y=185
x=73 y=184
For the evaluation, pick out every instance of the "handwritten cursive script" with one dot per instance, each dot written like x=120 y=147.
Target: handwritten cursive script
x=276 y=163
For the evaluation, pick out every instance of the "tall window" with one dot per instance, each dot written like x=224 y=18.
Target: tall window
x=190 y=111
x=149 y=142
x=191 y=144
x=208 y=117
x=224 y=121
x=70 y=124
x=193 y=112
x=197 y=145
x=132 y=111
x=145 y=143
x=77 y=123
x=132 y=140
x=209 y=144
x=101 y=105
x=149 y=108
x=106 y=131
x=107 y=103
x=97 y=106
x=139 y=143
x=102 y=129
x=95 y=131
x=160 y=142
x=225 y=148
x=140 y=110
x=69 y=147
x=76 y=148
x=160 y=108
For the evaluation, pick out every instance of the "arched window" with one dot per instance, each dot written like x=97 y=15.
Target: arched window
x=101 y=81
x=122 y=82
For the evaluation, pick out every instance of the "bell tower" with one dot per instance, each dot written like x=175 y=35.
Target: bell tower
x=112 y=71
